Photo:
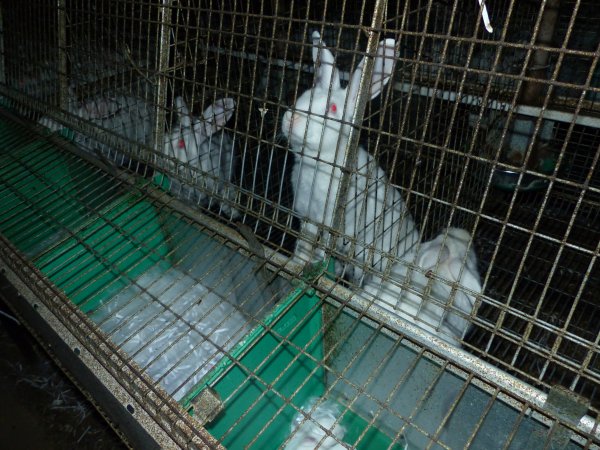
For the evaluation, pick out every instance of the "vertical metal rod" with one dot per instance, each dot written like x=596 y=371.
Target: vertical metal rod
x=351 y=150
x=2 y=54
x=532 y=90
x=163 y=66
x=63 y=93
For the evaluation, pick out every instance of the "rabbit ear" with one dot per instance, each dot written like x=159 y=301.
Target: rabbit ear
x=382 y=72
x=326 y=74
x=469 y=277
x=183 y=113
x=216 y=116
x=430 y=254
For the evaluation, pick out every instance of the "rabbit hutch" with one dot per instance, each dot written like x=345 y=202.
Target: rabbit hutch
x=320 y=224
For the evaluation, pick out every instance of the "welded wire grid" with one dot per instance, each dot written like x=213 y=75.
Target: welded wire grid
x=428 y=402
x=454 y=134
x=538 y=247
x=155 y=304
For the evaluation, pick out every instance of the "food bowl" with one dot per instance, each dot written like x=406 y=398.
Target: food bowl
x=542 y=160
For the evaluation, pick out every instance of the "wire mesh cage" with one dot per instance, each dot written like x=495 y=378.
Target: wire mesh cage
x=316 y=225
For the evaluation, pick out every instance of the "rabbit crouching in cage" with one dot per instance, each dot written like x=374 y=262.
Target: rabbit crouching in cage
x=124 y=115
x=447 y=256
x=202 y=144
x=317 y=129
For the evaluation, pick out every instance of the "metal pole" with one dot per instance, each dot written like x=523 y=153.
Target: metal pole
x=532 y=90
x=63 y=99
x=353 y=137
x=163 y=66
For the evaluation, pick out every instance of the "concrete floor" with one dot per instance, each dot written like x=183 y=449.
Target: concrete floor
x=39 y=406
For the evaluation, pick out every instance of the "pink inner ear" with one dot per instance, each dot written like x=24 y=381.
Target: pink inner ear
x=181 y=143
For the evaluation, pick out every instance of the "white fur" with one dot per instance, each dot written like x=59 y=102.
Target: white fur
x=123 y=115
x=199 y=143
x=376 y=217
x=309 y=433
x=442 y=256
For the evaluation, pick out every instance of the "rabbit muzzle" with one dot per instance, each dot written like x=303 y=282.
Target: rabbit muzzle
x=294 y=126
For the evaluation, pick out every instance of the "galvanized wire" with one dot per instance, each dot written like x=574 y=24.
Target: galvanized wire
x=472 y=132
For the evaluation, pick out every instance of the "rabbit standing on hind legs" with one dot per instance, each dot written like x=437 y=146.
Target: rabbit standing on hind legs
x=317 y=128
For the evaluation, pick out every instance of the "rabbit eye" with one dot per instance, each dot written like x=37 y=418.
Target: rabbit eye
x=181 y=143
x=333 y=107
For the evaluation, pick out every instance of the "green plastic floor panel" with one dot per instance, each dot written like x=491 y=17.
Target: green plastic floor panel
x=283 y=362
x=45 y=192
x=72 y=220
x=125 y=240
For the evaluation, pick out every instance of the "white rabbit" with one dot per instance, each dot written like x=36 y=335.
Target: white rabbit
x=444 y=256
x=308 y=433
x=126 y=116
x=317 y=129
x=198 y=143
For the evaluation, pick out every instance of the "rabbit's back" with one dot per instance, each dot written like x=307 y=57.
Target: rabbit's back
x=437 y=305
x=135 y=119
x=377 y=215
x=405 y=293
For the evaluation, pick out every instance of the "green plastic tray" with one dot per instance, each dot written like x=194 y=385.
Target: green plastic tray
x=283 y=359
x=71 y=220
